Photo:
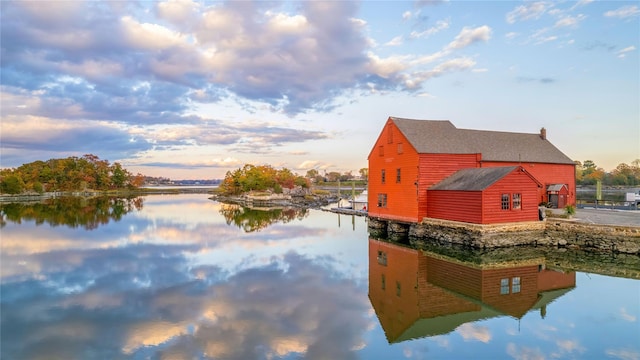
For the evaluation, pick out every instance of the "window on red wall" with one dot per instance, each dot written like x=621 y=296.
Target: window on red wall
x=400 y=149
x=516 y=201
x=505 y=201
x=390 y=134
x=381 y=150
x=383 y=176
x=398 y=175
x=382 y=200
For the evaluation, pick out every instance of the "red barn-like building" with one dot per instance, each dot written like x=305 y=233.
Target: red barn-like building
x=411 y=158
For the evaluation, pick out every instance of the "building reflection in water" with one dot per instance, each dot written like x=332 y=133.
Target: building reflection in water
x=417 y=293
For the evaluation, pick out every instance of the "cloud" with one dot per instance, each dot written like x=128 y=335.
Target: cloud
x=292 y=62
x=404 y=71
x=470 y=331
x=624 y=314
x=213 y=163
x=524 y=352
x=568 y=347
x=570 y=20
x=623 y=354
x=313 y=164
x=542 y=80
x=623 y=53
x=37 y=134
x=440 y=25
x=396 y=41
x=595 y=45
x=511 y=35
x=529 y=11
x=469 y=36
x=623 y=12
x=581 y=3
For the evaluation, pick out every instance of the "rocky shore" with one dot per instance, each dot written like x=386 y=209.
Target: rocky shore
x=296 y=197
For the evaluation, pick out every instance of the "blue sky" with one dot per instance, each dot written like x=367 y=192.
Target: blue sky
x=190 y=89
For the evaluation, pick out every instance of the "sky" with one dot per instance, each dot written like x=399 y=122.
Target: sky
x=192 y=89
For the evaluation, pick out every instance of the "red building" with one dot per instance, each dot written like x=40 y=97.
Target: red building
x=411 y=158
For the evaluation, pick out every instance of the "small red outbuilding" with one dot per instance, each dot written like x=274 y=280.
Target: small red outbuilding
x=485 y=196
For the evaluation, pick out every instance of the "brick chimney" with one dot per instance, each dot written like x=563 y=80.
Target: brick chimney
x=543 y=134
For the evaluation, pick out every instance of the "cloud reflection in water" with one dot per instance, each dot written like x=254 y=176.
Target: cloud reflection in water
x=147 y=298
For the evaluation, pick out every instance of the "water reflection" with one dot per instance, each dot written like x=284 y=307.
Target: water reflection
x=71 y=211
x=175 y=279
x=256 y=219
x=150 y=298
x=418 y=293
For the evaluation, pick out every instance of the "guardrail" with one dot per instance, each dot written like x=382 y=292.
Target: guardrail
x=608 y=204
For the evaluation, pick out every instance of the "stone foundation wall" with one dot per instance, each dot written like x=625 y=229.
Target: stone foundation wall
x=556 y=233
x=622 y=239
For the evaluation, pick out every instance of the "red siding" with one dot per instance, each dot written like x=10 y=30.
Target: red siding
x=515 y=182
x=486 y=207
x=435 y=167
x=402 y=199
x=463 y=206
x=547 y=174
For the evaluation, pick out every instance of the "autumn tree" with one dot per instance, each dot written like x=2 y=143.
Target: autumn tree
x=260 y=178
x=69 y=174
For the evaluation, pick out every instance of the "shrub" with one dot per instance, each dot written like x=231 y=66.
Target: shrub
x=570 y=210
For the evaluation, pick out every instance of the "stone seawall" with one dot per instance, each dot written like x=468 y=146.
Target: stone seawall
x=551 y=232
x=623 y=239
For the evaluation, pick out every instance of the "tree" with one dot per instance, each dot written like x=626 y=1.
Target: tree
x=260 y=178
x=11 y=184
x=119 y=176
x=333 y=176
x=312 y=174
x=364 y=173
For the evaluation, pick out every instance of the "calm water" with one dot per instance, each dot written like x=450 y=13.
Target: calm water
x=183 y=277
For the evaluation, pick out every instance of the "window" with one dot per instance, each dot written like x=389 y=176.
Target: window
x=381 y=150
x=382 y=258
x=384 y=282
x=383 y=176
x=505 y=201
x=398 y=175
x=398 y=288
x=517 y=201
x=515 y=285
x=504 y=286
x=382 y=200
x=400 y=149
x=390 y=134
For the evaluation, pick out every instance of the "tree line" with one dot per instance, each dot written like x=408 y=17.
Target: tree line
x=70 y=174
x=260 y=178
x=587 y=173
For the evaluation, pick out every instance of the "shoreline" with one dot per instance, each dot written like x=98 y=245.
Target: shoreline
x=600 y=230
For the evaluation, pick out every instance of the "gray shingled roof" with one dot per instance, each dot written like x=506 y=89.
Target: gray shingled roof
x=442 y=137
x=473 y=179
